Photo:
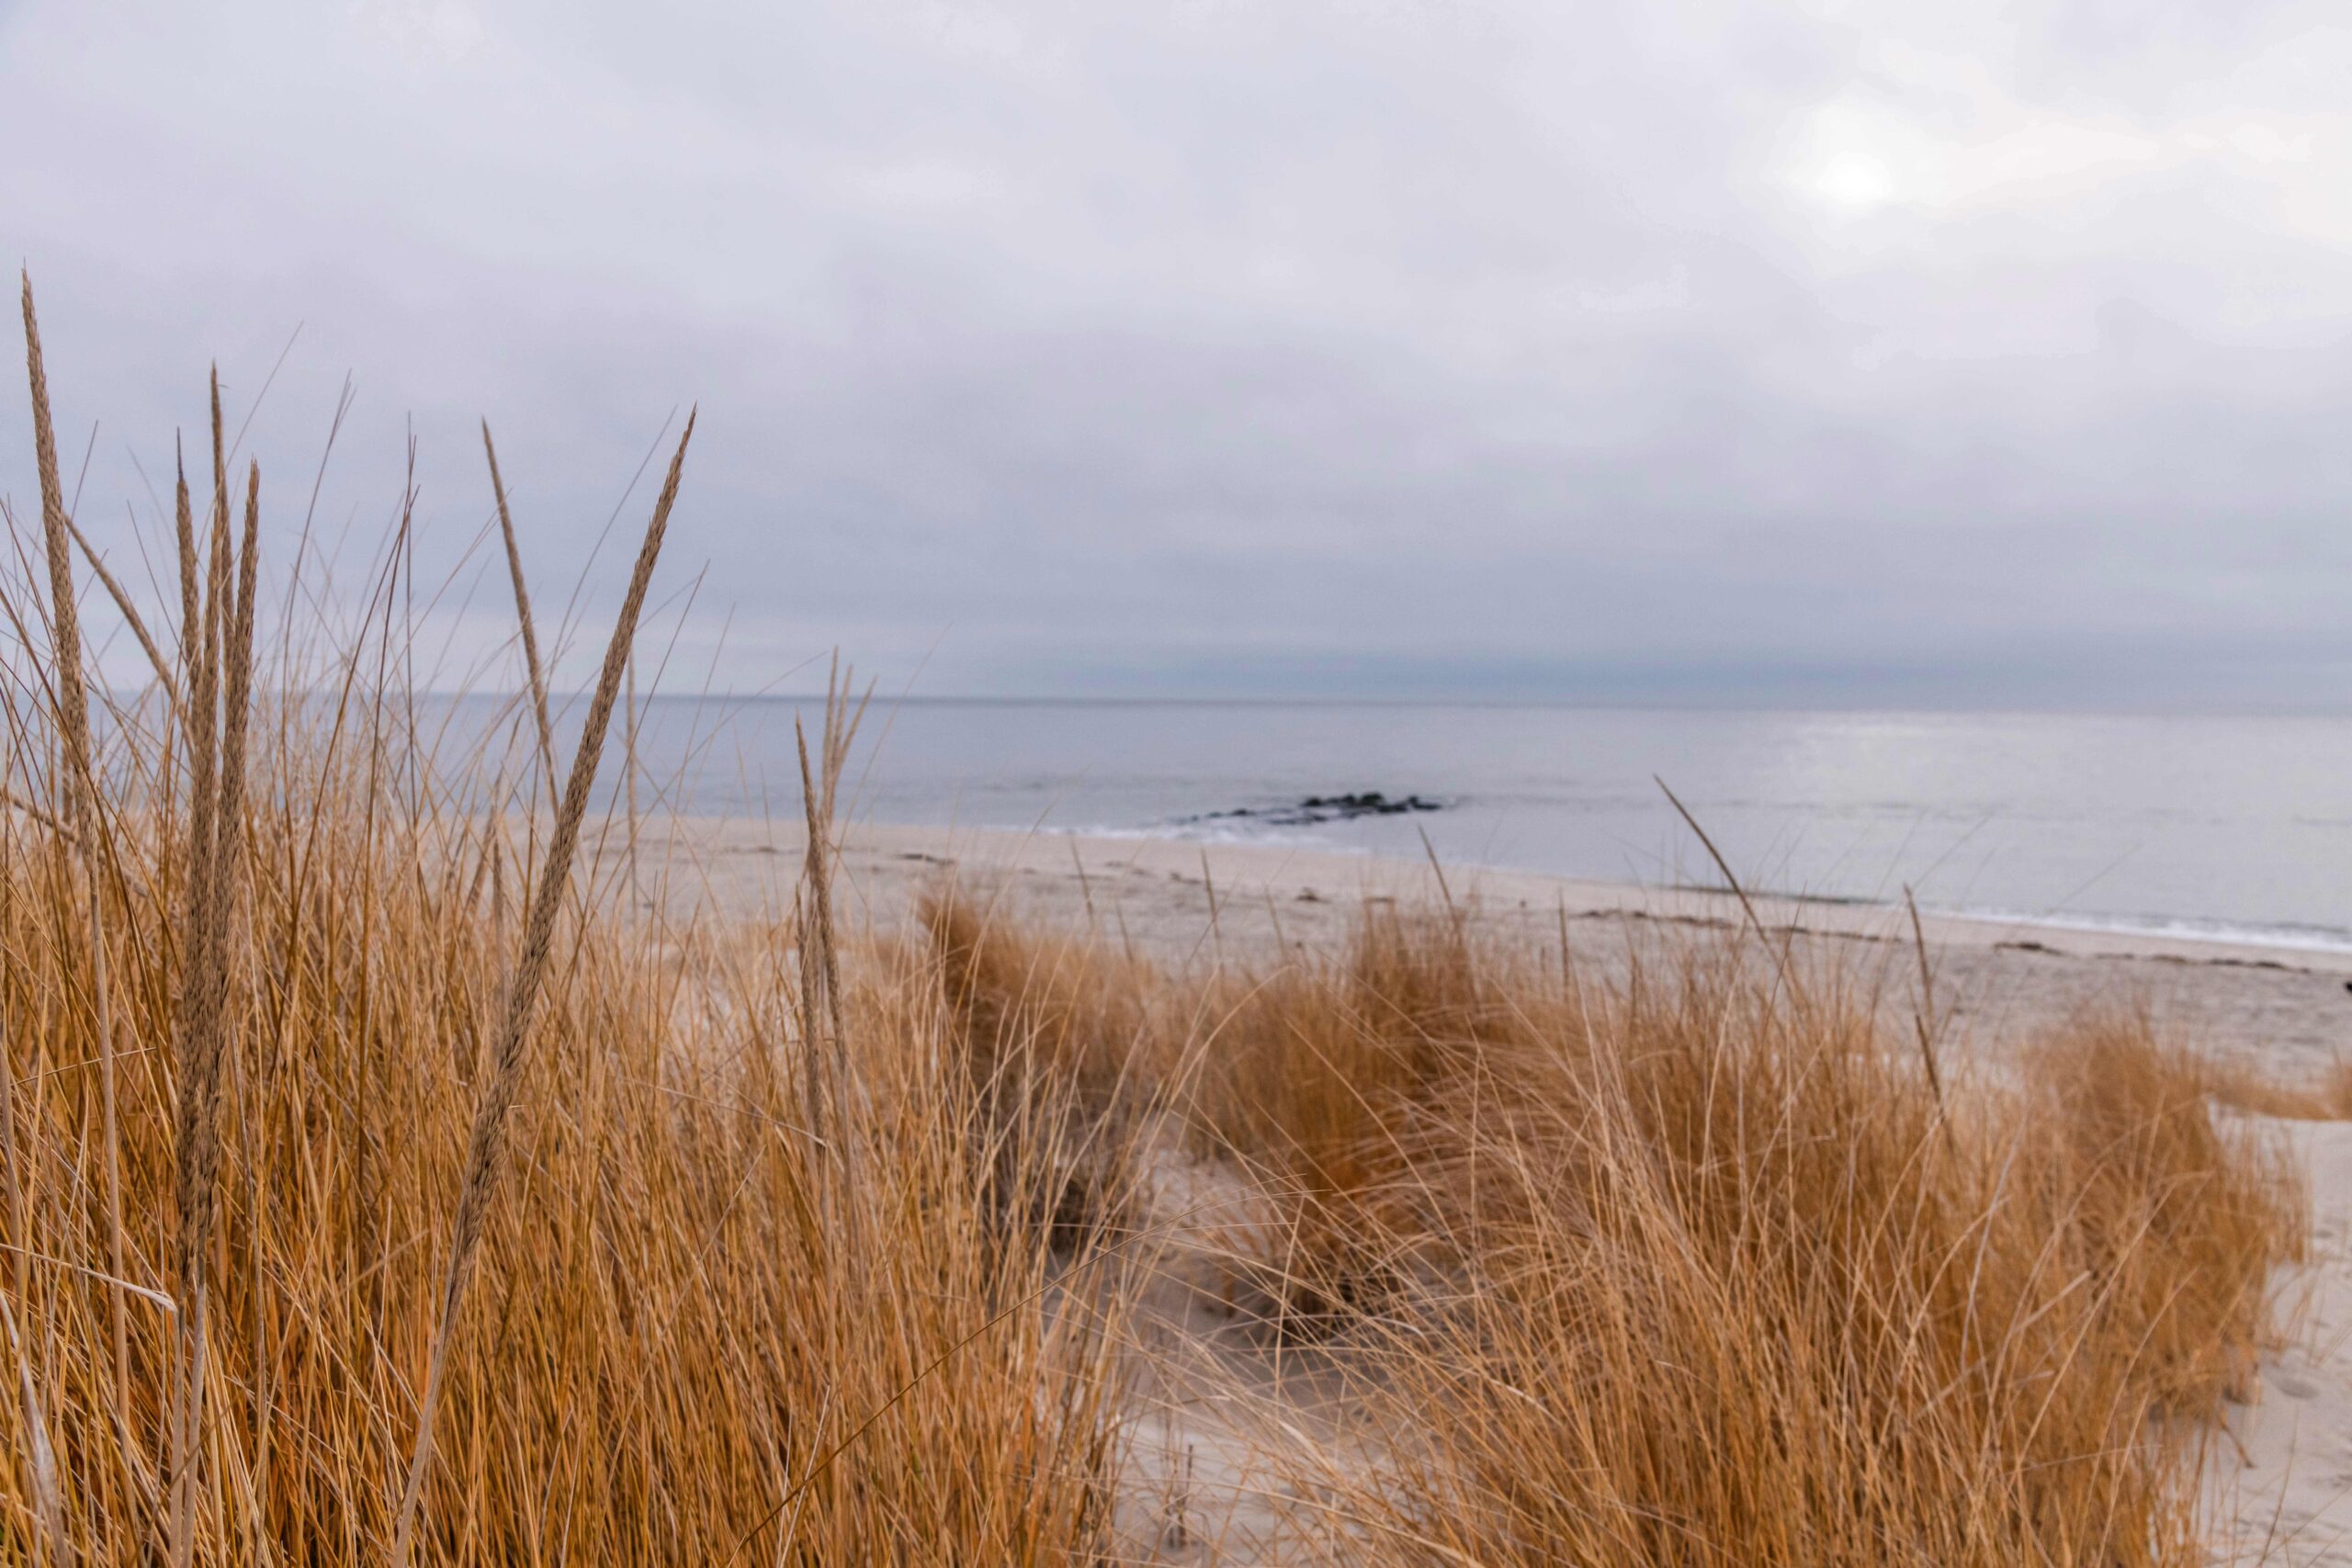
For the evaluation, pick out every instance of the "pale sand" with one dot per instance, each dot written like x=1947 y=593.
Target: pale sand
x=2279 y=1489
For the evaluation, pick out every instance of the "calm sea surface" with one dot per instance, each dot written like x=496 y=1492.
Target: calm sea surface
x=2239 y=827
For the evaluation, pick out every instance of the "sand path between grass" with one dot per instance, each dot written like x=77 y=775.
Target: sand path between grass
x=2279 y=1487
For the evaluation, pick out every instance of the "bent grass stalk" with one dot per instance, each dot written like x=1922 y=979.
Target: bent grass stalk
x=488 y=1142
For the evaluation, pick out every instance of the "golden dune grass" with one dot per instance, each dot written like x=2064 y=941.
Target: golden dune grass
x=1699 y=1270
x=373 y=1185
x=322 y=1028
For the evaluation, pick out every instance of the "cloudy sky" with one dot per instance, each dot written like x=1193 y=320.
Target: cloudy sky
x=1669 y=350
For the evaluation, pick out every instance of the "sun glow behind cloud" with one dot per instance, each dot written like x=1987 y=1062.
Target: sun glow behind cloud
x=1942 y=136
x=1859 y=152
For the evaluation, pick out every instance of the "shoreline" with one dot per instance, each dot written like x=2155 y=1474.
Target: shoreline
x=1290 y=870
x=2167 y=933
x=1183 y=903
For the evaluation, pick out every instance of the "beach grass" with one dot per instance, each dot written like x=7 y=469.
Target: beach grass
x=1700 y=1268
x=380 y=1181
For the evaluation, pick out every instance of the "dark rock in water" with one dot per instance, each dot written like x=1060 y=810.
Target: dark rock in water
x=1319 y=808
x=1372 y=803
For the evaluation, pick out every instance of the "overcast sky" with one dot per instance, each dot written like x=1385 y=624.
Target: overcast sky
x=1835 y=352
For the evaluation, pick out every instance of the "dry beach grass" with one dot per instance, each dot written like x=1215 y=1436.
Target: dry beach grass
x=379 y=1182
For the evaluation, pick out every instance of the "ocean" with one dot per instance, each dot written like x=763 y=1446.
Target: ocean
x=2224 y=827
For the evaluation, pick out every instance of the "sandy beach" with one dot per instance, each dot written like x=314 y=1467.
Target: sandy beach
x=1186 y=903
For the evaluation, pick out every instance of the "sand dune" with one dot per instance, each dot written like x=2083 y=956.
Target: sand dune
x=2279 y=1478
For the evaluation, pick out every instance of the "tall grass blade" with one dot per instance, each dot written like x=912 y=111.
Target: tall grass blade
x=486 y=1147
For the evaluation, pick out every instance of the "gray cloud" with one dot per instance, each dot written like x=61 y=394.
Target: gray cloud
x=1630 y=352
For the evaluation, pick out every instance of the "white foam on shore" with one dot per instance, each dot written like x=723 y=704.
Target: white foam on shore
x=2286 y=938
x=1238 y=833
